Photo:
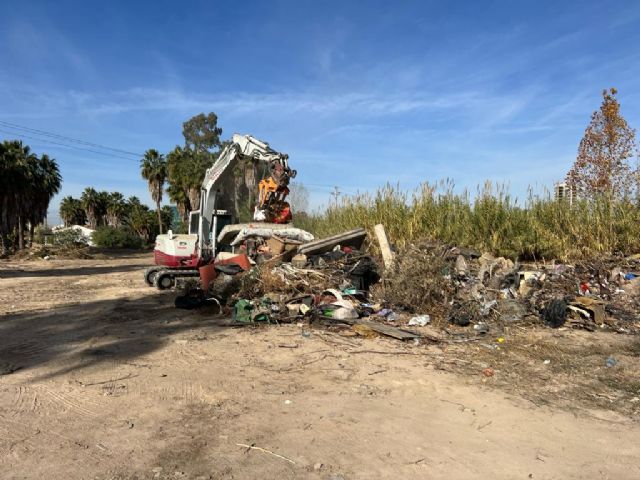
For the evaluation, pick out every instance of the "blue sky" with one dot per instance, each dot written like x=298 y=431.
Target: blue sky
x=358 y=93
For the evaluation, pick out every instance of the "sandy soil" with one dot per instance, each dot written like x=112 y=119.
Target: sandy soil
x=111 y=381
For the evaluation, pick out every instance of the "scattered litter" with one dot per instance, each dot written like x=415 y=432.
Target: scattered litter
x=488 y=372
x=481 y=328
x=555 y=313
x=334 y=283
x=611 y=362
x=419 y=321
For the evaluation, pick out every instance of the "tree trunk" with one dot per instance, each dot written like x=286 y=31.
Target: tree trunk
x=31 y=233
x=20 y=233
x=3 y=245
x=194 y=198
x=159 y=217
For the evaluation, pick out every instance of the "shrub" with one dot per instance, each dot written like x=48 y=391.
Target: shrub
x=69 y=237
x=41 y=232
x=116 y=237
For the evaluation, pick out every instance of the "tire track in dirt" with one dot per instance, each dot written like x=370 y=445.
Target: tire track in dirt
x=25 y=400
x=14 y=433
x=40 y=399
x=74 y=402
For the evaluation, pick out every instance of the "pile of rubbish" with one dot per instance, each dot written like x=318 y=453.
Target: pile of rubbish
x=463 y=287
x=333 y=281
x=326 y=281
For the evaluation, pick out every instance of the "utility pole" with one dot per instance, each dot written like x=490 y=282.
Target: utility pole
x=335 y=194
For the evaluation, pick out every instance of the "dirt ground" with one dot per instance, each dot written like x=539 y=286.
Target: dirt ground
x=101 y=377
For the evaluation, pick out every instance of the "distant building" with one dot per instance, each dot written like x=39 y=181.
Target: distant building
x=562 y=191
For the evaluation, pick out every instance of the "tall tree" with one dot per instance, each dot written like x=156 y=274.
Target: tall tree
x=24 y=192
x=201 y=133
x=116 y=209
x=12 y=182
x=602 y=166
x=139 y=218
x=27 y=184
x=186 y=169
x=154 y=171
x=102 y=204
x=90 y=202
x=46 y=184
x=72 y=211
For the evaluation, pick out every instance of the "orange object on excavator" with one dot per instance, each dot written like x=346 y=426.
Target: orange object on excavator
x=273 y=191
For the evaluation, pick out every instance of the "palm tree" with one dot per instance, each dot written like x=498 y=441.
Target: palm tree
x=69 y=211
x=25 y=189
x=10 y=178
x=177 y=177
x=27 y=185
x=90 y=200
x=177 y=194
x=102 y=204
x=138 y=218
x=116 y=208
x=46 y=183
x=154 y=171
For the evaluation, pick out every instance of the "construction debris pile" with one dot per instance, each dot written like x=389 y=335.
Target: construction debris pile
x=464 y=287
x=334 y=281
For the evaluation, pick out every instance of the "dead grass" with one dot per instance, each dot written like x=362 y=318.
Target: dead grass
x=565 y=368
x=416 y=282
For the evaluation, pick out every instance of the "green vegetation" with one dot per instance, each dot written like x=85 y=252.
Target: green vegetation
x=492 y=221
x=154 y=170
x=27 y=185
x=111 y=209
x=603 y=219
x=69 y=238
x=116 y=237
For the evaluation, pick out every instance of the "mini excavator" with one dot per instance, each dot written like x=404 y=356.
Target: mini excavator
x=179 y=256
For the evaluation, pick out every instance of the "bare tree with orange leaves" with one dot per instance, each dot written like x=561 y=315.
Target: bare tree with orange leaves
x=603 y=165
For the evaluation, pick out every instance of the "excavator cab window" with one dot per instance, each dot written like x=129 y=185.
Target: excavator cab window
x=194 y=220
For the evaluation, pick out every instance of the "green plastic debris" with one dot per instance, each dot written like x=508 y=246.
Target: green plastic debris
x=242 y=311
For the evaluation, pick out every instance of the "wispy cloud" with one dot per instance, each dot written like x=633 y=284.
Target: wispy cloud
x=34 y=102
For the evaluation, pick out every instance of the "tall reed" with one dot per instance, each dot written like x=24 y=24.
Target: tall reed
x=542 y=228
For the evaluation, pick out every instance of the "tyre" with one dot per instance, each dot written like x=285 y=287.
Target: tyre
x=163 y=280
x=149 y=275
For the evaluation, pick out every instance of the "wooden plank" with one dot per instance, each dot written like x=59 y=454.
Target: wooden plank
x=389 y=331
x=352 y=238
x=385 y=249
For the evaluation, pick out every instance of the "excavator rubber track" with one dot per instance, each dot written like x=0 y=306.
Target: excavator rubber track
x=165 y=278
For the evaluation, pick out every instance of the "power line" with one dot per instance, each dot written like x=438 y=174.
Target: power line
x=66 y=145
x=35 y=131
